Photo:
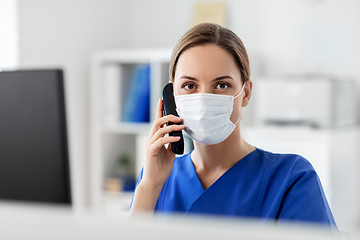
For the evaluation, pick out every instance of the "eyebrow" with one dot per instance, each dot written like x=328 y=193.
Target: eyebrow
x=188 y=77
x=215 y=79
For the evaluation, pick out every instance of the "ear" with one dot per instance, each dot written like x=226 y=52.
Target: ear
x=248 y=91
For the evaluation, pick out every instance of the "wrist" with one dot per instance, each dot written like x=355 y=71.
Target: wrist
x=150 y=187
x=145 y=197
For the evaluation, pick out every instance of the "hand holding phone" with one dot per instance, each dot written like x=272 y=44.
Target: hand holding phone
x=170 y=108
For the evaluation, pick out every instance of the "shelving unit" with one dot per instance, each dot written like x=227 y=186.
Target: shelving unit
x=110 y=138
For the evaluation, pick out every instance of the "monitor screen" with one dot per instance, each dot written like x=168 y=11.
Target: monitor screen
x=34 y=162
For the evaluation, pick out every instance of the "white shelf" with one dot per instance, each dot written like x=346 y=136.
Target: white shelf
x=127 y=128
x=110 y=80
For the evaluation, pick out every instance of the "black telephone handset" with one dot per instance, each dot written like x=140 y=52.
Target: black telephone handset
x=170 y=108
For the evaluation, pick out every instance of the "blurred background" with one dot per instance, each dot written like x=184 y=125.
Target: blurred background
x=304 y=58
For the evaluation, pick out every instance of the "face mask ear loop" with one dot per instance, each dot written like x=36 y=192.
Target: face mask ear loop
x=240 y=91
x=238 y=119
x=236 y=97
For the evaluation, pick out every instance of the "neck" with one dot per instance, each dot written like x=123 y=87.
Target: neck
x=222 y=155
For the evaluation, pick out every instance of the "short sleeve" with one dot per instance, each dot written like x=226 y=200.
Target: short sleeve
x=304 y=199
x=137 y=183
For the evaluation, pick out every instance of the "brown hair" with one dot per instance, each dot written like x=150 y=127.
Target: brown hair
x=206 y=33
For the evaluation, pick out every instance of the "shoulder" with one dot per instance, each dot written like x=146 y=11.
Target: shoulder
x=302 y=196
x=287 y=161
x=281 y=157
x=286 y=168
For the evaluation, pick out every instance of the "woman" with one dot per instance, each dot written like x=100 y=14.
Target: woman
x=224 y=174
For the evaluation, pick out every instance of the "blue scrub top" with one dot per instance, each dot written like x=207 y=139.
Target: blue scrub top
x=261 y=185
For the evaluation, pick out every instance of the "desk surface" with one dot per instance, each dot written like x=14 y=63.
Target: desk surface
x=38 y=222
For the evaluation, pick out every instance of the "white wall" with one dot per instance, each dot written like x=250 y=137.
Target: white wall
x=63 y=34
x=8 y=34
x=282 y=37
x=309 y=36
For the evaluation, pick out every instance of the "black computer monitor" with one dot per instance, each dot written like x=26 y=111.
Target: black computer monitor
x=34 y=162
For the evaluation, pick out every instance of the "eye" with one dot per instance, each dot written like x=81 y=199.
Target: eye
x=222 y=86
x=188 y=86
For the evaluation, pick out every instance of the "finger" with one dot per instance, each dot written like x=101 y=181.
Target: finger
x=159 y=109
x=169 y=118
x=158 y=144
x=160 y=122
x=159 y=114
x=163 y=131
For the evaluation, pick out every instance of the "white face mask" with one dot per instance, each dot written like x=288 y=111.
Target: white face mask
x=206 y=116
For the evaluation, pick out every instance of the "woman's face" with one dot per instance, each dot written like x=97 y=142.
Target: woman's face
x=209 y=69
